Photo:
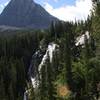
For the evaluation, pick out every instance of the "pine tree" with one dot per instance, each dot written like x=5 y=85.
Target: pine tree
x=46 y=87
x=58 y=29
x=2 y=89
x=68 y=60
x=42 y=87
x=11 y=92
x=50 y=85
x=96 y=19
x=52 y=29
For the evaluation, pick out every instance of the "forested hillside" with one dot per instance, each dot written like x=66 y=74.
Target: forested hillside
x=60 y=63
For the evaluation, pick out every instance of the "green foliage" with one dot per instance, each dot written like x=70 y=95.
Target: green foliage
x=15 y=54
x=77 y=68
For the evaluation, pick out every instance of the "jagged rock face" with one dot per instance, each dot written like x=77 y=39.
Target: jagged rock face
x=25 y=13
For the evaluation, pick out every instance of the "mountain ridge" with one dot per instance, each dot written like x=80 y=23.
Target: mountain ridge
x=25 y=14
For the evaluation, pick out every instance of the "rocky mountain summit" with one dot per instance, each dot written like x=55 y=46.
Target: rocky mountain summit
x=25 y=13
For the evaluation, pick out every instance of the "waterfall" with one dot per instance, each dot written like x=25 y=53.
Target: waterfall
x=26 y=95
x=40 y=57
x=38 y=60
x=81 y=39
x=33 y=69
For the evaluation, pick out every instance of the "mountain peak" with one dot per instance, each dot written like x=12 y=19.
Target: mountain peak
x=22 y=0
x=25 y=13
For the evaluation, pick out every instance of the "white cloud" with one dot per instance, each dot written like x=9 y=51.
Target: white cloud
x=52 y=0
x=56 y=0
x=2 y=6
x=79 y=11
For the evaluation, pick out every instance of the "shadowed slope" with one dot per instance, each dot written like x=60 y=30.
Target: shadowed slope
x=25 y=13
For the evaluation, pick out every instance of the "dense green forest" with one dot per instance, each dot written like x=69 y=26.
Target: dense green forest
x=74 y=72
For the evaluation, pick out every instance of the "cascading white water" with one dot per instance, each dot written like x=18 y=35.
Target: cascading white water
x=52 y=47
x=81 y=39
x=26 y=95
x=49 y=53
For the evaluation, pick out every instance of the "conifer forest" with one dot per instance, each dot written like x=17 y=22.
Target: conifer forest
x=58 y=63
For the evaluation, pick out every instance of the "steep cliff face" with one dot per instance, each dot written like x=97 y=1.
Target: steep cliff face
x=25 y=13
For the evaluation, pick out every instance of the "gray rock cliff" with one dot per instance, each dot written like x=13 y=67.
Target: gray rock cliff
x=25 y=13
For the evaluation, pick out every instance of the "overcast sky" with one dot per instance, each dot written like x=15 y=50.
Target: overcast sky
x=67 y=10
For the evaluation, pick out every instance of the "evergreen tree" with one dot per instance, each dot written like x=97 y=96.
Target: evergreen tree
x=68 y=60
x=2 y=89
x=52 y=29
x=11 y=92
x=96 y=19
x=43 y=84
x=50 y=85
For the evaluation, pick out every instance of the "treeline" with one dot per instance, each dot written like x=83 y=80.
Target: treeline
x=74 y=72
x=16 y=51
